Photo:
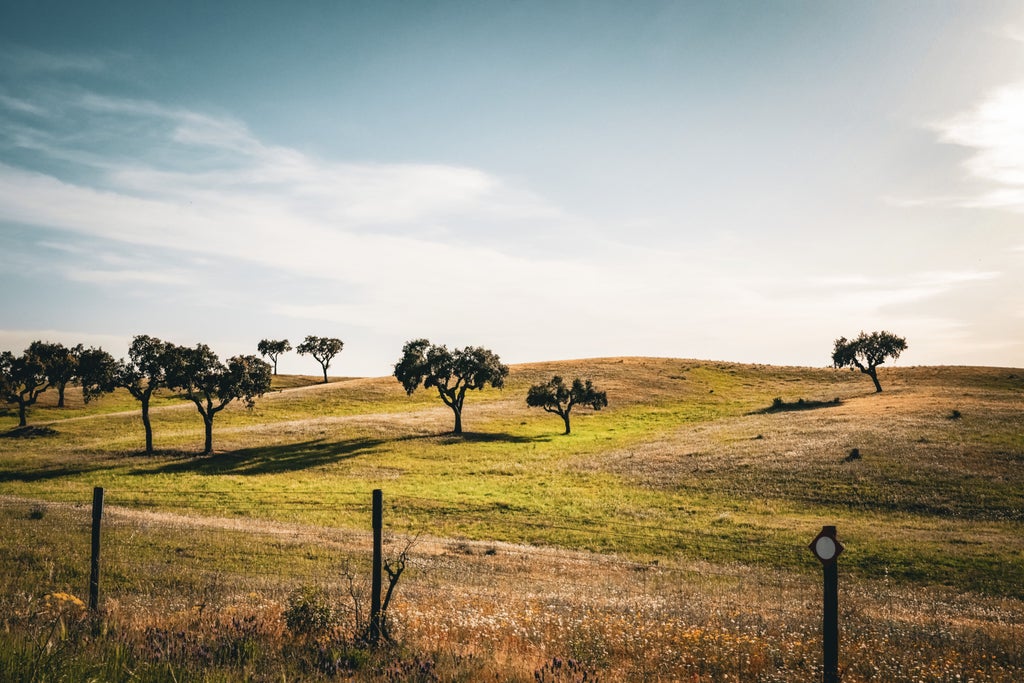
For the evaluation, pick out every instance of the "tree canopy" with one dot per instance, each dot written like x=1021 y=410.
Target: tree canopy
x=60 y=364
x=98 y=373
x=22 y=379
x=143 y=375
x=453 y=373
x=867 y=352
x=212 y=385
x=324 y=349
x=557 y=398
x=272 y=349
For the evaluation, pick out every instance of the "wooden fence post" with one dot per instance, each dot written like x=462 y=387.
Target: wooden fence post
x=378 y=562
x=94 y=566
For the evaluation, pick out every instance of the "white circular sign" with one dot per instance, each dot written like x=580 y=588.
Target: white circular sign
x=825 y=548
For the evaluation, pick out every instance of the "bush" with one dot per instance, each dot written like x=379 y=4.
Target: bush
x=309 y=612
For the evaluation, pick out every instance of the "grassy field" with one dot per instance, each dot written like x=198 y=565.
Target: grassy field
x=666 y=538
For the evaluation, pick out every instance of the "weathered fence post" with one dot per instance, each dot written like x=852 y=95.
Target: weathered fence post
x=94 y=567
x=378 y=561
x=826 y=548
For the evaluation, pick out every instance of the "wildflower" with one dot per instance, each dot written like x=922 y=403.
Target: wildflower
x=61 y=600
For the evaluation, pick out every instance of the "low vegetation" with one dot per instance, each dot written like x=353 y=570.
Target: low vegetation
x=664 y=539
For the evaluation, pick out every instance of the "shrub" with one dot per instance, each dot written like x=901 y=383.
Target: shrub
x=309 y=612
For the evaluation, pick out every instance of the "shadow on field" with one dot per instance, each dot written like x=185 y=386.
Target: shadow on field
x=29 y=432
x=304 y=455
x=780 y=406
x=273 y=459
x=50 y=473
x=487 y=437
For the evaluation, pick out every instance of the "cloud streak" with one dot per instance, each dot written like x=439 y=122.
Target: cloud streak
x=126 y=276
x=994 y=130
x=34 y=62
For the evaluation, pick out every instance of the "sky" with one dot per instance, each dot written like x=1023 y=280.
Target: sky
x=739 y=181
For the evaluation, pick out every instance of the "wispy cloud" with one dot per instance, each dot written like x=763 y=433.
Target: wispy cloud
x=21 y=106
x=122 y=277
x=31 y=61
x=861 y=292
x=193 y=157
x=994 y=129
x=1014 y=32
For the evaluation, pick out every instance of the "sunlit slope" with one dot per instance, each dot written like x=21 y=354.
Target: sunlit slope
x=685 y=461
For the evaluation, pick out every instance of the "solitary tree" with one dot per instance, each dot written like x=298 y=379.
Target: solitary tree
x=867 y=352
x=211 y=385
x=22 y=379
x=61 y=364
x=452 y=372
x=98 y=373
x=555 y=397
x=324 y=349
x=143 y=375
x=272 y=349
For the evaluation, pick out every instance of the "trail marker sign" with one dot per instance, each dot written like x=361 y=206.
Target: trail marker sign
x=825 y=546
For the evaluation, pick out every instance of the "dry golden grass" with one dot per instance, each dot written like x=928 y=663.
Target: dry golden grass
x=505 y=612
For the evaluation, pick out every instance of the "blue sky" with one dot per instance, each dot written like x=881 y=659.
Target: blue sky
x=734 y=181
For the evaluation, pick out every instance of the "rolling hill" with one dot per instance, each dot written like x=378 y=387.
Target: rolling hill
x=694 y=464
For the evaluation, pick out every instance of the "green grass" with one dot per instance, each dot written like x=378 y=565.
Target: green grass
x=685 y=463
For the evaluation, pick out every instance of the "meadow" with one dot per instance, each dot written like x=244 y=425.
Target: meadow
x=665 y=539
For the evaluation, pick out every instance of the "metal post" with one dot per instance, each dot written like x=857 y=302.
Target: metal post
x=94 y=569
x=830 y=625
x=827 y=548
x=378 y=561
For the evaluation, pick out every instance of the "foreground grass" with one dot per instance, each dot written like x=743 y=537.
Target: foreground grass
x=198 y=598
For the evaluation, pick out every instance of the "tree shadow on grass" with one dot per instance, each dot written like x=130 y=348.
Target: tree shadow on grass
x=487 y=437
x=316 y=453
x=46 y=473
x=780 y=406
x=272 y=459
x=276 y=459
x=29 y=432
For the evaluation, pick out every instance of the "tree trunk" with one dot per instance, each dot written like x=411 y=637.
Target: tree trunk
x=208 y=422
x=458 y=420
x=325 y=374
x=874 y=378
x=565 y=418
x=22 y=414
x=147 y=425
x=60 y=395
